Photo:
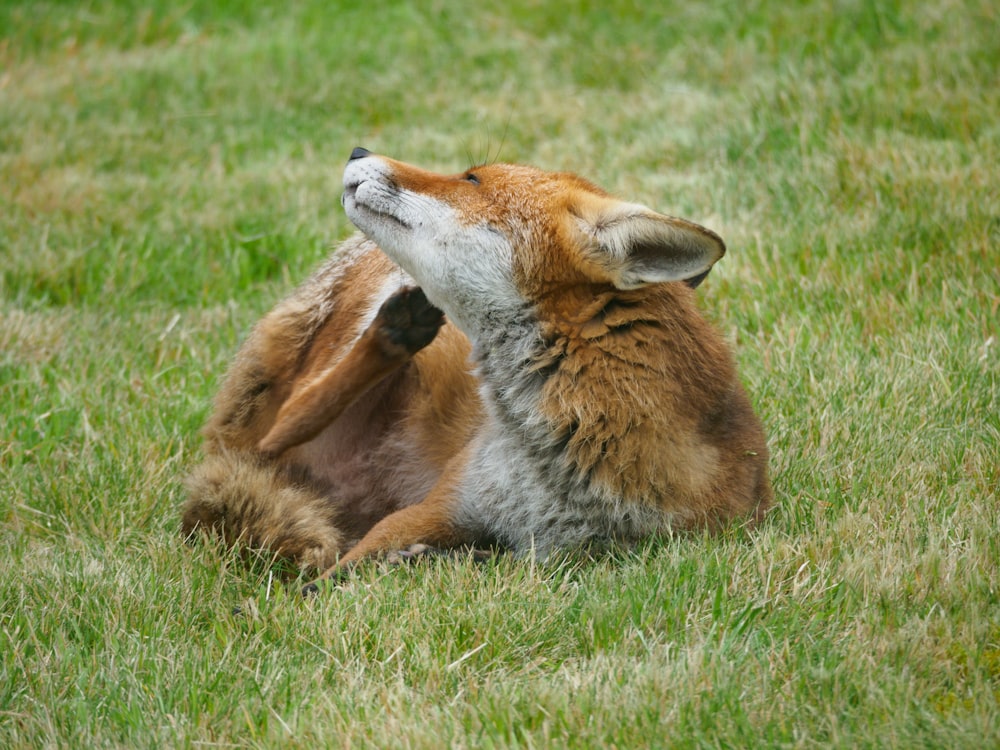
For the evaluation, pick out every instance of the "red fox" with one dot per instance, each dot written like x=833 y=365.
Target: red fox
x=505 y=356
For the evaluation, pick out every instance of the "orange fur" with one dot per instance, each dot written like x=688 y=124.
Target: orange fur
x=603 y=404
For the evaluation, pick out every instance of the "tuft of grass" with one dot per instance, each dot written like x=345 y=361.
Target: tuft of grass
x=167 y=172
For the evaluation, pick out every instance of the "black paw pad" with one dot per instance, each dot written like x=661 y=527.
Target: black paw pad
x=310 y=590
x=408 y=320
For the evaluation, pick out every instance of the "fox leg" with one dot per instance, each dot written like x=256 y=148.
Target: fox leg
x=404 y=325
x=433 y=521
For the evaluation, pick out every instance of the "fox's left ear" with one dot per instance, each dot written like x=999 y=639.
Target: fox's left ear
x=639 y=246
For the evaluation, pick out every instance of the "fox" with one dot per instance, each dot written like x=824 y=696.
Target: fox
x=504 y=357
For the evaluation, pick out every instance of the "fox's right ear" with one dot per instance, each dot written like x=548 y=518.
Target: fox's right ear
x=639 y=246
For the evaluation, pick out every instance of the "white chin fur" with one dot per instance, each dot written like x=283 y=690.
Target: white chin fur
x=463 y=268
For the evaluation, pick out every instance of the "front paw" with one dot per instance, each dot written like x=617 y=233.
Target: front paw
x=411 y=554
x=329 y=580
x=419 y=551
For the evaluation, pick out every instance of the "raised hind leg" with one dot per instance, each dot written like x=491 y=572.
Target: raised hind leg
x=254 y=498
x=404 y=325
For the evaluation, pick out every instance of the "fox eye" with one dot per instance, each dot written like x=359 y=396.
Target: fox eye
x=470 y=177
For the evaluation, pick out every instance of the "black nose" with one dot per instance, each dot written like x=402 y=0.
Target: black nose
x=359 y=153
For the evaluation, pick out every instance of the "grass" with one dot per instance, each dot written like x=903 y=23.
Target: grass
x=168 y=172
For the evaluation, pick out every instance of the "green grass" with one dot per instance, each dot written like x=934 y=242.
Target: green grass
x=168 y=171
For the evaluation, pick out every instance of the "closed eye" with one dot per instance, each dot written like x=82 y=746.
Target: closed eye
x=470 y=177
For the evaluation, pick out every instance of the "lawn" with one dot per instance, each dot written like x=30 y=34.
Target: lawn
x=168 y=171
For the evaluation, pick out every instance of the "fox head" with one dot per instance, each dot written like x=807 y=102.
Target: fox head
x=494 y=240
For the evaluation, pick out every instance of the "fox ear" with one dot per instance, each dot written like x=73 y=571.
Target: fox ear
x=639 y=246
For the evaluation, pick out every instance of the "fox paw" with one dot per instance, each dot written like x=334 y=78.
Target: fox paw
x=417 y=551
x=408 y=320
x=329 y=580
x=411 y=553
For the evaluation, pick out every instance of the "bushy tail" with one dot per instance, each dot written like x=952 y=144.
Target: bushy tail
x=261 y=505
